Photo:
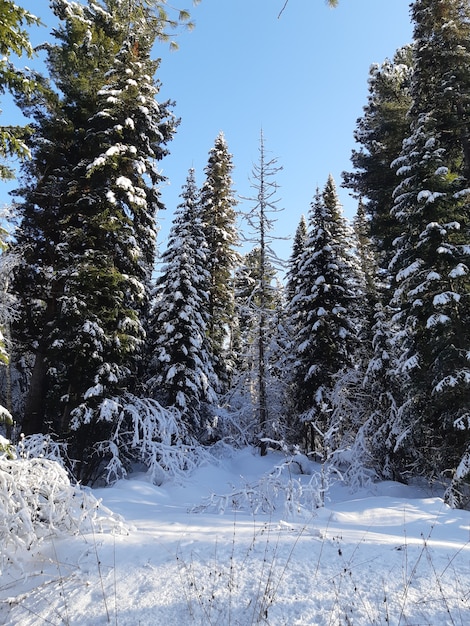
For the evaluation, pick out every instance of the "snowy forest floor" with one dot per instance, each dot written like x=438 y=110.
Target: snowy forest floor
x=389 y=555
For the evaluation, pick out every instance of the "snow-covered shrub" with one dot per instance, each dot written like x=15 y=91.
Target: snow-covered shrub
x=286 y=487
x=149 y=434
x=457 y=494
x=41 y=446
x=38 y=501
x=236 y=419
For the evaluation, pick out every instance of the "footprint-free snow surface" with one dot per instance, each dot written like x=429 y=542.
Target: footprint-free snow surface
x=230 y=546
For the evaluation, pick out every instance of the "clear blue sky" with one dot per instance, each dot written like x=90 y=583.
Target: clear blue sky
x=302 y=78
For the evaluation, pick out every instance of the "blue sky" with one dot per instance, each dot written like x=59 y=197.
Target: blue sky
x=302 y=78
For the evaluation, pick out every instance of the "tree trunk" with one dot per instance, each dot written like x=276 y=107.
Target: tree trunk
x=35 y=407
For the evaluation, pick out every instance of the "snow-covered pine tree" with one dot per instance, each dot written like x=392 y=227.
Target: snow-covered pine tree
x=55 y=147
x=432 y=259
x=290 y=323
x=379 y=134
x=366 y=397
x=181 y=368
x=325 y=312
x=89 y=222
x=298 y=249
x=366 y=400
x=373 y=278
x=219 y=220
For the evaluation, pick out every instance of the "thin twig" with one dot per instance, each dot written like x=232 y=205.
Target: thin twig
x=282 y=10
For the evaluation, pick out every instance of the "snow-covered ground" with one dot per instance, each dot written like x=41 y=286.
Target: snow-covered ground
x=389 y=555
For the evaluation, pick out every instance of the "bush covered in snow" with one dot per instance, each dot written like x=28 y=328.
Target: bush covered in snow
x=37 y=501
x=145 y=433
x=292 y=487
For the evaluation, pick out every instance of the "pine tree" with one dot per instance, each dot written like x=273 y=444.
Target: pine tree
x=291 y=322
x=14 y=40
x=181 y=368
x=368 y=261
x=218 y=214
x=431 y=262
x=324 y=309
x=298 y=249
x=380 y=133
x=88 y=222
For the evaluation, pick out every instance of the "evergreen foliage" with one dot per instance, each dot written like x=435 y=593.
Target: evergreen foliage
x=431 y=263
x=380 y=133
x=14 y=40
x=324 y=313
x=298 y=249
x=219 y=220
x=362 y=359
x=181 y=368
x=258 y=303
x=88 y=222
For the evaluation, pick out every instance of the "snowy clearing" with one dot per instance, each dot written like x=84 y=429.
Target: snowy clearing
x=388 y=555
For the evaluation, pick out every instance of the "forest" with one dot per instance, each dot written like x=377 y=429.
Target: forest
x=356 y=352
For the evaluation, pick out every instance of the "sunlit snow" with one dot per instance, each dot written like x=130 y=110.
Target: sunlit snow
x=390 y=554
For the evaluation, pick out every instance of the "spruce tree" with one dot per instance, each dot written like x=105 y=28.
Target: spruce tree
x=431 y=263
x=368 y=260
x=218 y=214
x=380 y=133
x=298 y=249
x=181 y=368
x=88 y=222
x=324 y=310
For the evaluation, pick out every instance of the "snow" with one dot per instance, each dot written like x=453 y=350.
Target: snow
x=458 y=271
x=442 y=299
x=124 y=183
x=436 y=319
x=110 y=196
x=96 y=390
x=390 y=554
x=410 y=270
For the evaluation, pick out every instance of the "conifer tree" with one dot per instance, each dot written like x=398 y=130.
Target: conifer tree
x=181 y=367
x=324 y=309
x=431 y=263
x=258 y=299
x=368 y=260
x=291 y=322
x=298 y=249
x=218 y=214
x=380 y=133
x=88 y=222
